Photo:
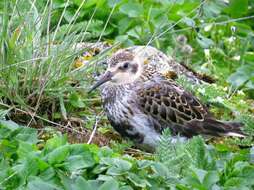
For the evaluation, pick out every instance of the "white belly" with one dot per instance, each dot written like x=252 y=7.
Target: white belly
x=143 y=126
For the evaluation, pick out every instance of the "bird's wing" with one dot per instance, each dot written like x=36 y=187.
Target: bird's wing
x=170 y=104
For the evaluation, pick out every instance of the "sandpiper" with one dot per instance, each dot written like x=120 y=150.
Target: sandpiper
x=140 y=102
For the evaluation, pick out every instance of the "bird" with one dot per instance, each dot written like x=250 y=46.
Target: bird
x=140 y=102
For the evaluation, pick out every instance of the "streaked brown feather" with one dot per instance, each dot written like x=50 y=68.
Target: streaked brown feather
x=171 y=106
x=166 y=101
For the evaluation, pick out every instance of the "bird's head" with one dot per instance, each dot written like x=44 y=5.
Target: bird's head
x=123 y=68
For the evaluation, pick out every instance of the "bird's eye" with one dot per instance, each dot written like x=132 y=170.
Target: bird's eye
x=126 y=65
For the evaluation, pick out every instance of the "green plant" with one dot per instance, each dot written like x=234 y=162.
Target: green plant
x=28 y=163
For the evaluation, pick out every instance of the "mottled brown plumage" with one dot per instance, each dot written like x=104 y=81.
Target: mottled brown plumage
x=140 y=102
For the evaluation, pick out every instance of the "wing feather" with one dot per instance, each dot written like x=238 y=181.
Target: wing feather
x=170 y=104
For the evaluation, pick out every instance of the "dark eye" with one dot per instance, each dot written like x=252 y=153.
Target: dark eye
x=125 y=65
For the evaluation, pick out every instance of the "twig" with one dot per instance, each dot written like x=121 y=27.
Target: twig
x=97 y=119
x=43 y=119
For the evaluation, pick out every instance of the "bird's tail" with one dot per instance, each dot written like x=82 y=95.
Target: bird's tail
x=212 y=127
x=222 y=128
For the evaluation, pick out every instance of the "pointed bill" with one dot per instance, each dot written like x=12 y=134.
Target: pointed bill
x=105 y=78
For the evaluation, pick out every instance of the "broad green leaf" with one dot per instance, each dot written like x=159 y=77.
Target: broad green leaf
x=137 y=180
x=77 y=162
x=142 y=164
x=200 y=174
x=237 y=8
x=9 y=125
x=243 y=74
x=124 y=39
x=109 y=185
x=28 y=135
x=160 y=169
x=213 y=8
x=204 y=42
x=211 y=178
x=39 y=184
x=238 y=182
x=47 y=174
x=132 y=9
x=26 y=149
x=124 y=24
x=82 y=184
x=58 y=155
x=55 y=142
x=119 y=167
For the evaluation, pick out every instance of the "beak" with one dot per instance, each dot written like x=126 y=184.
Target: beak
x=105 y=78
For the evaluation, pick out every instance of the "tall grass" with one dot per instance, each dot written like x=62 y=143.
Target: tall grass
x=36 y=59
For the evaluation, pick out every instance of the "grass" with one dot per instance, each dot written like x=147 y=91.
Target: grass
x=36 y=72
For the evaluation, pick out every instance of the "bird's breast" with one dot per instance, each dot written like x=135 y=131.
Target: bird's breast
x=127 y=118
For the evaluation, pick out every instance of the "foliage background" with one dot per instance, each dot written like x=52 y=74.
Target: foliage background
x=40 y=87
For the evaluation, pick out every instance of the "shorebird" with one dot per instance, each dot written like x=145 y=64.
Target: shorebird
x=140 y=102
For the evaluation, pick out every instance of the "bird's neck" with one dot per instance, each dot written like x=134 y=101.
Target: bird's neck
x=110 y=92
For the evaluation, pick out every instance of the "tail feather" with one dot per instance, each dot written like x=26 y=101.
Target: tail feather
x=224 y=128
x=213 y=127
x=235 y=129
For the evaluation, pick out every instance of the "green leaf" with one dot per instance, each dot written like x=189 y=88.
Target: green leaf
x=58 y=155
x=47 y=174
x=137 y=180
x=10 y=129
x=124 y=39
x=28 y=135
x=160 y=169
x=210 y=179
x=142 y=164
x=124 y=24
x=82 y=184
x=55 y=142
x=118 y=167
x=189 y=22
x=9 y=125
x=109 y=185
x=79 y=157
x=26 y=149
x=126 y=188
x=235 y=182
x=200 y=174
x=132 y=9
x=39 y=184
x=237 y=8
x=242 y=75
x=76 y=100
x=204 y=42
x=77 y=162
